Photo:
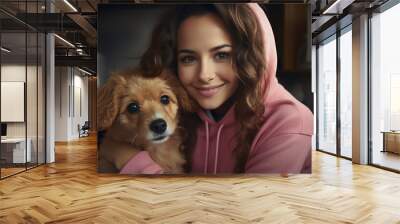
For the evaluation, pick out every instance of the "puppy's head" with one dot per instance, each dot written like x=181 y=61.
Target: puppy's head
x=150 y=107
x=144 y=110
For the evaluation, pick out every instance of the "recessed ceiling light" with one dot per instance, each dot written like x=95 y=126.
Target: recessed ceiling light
x=337 y=7
x=70 y=5
x=65 y=41
x=5 y=49
x=84 y=71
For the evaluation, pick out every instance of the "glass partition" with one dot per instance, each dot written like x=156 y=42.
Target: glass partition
x=327 y=96
x=14 y=154
x=22 y=100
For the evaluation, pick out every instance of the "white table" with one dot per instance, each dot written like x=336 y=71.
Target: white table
x=17 y=147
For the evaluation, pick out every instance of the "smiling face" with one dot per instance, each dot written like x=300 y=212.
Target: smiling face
x=205 y=60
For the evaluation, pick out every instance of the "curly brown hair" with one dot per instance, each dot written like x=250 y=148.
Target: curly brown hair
x=249 y=62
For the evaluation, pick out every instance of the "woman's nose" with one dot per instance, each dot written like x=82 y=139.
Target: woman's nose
x=206 y=71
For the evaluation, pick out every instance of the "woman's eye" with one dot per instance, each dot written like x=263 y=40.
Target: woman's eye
x=164 y=99
x=222 y=55
x=187 y=59
x=133 y=108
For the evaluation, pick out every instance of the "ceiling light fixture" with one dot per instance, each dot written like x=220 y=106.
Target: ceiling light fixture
x=337 y=7
x=5 y=49
x=65 y=41
x=70 y=5
x=84 y=71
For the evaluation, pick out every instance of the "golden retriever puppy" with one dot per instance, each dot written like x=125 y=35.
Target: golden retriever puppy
x=140 y=113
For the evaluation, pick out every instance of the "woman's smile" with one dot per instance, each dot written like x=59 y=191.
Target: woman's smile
x=209 y=91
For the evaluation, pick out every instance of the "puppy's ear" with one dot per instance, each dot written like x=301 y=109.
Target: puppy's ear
x=184 y=101
x=108 y=100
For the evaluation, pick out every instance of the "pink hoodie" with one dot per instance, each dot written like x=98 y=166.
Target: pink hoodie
x=282 y=145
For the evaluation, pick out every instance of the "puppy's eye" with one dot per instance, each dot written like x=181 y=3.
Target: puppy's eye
x=133 y=108
x=164 y=99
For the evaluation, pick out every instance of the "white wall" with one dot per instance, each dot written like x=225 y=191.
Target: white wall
x=81 y=81
x=71 y=93
x=13 y=72
x=61 y=103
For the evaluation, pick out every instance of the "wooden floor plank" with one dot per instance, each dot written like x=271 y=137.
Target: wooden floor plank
x=71 y=191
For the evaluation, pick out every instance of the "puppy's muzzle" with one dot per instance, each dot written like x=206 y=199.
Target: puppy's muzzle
x=158 y=126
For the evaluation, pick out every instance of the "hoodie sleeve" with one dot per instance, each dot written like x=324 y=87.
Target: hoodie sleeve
x=286 y=153
x=141 y=163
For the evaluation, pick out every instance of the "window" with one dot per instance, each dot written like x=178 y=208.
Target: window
x=385 y=85
x=346 y=93
x=327 y=96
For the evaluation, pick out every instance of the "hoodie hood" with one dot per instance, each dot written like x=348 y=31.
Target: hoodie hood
x=269 y=77
x=286 y=120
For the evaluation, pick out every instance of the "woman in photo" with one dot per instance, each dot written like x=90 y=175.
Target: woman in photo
x=225 y=57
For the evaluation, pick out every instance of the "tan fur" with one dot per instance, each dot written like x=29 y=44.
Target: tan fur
x=128 y=133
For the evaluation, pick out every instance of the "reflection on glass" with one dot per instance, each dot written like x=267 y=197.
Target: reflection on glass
x=346 y=94
x=385 y=85
x=14 y=147
x=327 y=97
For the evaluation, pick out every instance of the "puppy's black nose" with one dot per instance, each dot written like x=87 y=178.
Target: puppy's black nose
x=158 y=126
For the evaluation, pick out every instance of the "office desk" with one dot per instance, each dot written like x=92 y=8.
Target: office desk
x=391 y=141
x=13 y=150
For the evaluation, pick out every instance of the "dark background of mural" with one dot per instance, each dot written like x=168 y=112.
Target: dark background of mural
x=124 y=33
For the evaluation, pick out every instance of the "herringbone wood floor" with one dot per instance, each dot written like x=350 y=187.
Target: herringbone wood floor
x=70 y=191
